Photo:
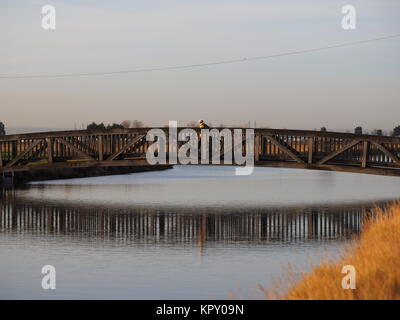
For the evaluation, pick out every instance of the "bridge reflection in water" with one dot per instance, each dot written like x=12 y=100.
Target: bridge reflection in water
x=193 y=227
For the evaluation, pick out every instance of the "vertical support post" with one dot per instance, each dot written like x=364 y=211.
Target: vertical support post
x=310 y=149
x=13 y=149
x=1 y=155
x=365 y=154
x=101 y=155
x=49 y=142
x=257 y=147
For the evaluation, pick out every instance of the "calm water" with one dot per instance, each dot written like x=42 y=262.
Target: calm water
x=186 y=233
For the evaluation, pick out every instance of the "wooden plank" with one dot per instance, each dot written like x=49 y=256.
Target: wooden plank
x=310 y=149
x=365 y=154
x=286 y=150
x=101 y=155
x=49 y=142
x=257 y=147
x=14 y=149
x=339 y=151
x=126 y=147
x=21 y=155
x=73 y=148
x=387 y=152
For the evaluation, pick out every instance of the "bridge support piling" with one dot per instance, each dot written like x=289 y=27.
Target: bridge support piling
x=13 y=149
x=310 y=149
x=365 y=154
x=257 y=145
x=49 y=142
x=101 y=155
x=7 y=179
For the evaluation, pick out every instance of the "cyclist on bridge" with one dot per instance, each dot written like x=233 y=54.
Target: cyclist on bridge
x=203 y=125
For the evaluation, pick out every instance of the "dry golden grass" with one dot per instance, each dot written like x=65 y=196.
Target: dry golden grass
x=376 y=258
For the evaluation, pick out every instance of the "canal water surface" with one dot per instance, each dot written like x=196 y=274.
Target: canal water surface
x=196 y=232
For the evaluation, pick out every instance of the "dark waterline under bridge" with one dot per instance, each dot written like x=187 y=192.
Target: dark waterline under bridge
x=281 y=148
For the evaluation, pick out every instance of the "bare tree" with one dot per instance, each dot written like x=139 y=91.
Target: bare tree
x=377 y=132
x=396 y=131
x=192 y=124
x=137 y=124
x=126 y=123
x=358 y=130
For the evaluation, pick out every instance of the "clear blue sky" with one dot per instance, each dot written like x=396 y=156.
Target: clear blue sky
x=339 y=88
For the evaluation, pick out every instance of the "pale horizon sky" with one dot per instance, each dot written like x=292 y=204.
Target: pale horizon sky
x=339 y=88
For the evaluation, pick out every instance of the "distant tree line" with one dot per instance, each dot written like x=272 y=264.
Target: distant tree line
x=139 y=124
x=132 y=124
x=377 y=132
x=396 y=131
x=102 y=126
x=124 y=124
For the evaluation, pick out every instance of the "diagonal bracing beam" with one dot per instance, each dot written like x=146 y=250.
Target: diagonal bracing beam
x=339 y=151
x=21 y=155
x=83 y=145
x=386 y=152
x=72 y=147
x=126 y=147
x=285 y=149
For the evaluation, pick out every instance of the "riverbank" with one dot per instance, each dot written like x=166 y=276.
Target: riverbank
x=69 y=173
x=375 y=257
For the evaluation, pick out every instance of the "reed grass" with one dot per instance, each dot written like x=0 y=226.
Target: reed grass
x=375 y=256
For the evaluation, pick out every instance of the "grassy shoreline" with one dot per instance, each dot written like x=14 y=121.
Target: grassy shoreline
x=375 y=256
